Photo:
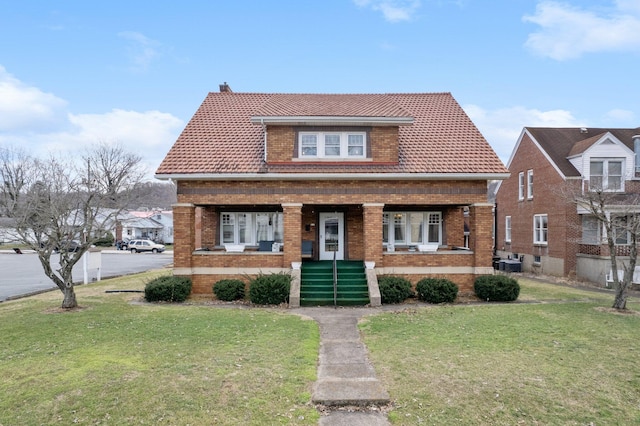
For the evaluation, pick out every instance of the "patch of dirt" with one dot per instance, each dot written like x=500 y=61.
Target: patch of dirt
x=618 y=311
x=59 y=310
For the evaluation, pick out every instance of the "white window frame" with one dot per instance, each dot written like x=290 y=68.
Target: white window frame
x=605 y=174
x=401 y=219
x=529 y=184
x=348 y=148
x=541 y=229
x=621 y=235
x=507 y=229
x=251 y=226
x=591 y=230
x=521 y=186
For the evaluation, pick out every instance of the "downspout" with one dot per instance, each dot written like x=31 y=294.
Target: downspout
x=264 y=129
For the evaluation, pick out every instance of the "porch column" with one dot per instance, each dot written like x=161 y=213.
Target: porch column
x=292 y=239
x=454 y=218
x=372 y=231
x=481 y=233
x=184 y=231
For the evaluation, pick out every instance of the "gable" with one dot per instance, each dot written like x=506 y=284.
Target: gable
x=605 y=146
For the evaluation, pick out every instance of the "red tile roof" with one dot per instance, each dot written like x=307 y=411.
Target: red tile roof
x=220 y=139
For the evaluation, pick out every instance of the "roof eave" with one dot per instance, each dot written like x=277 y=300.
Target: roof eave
x=331 y=176
x=303 y=120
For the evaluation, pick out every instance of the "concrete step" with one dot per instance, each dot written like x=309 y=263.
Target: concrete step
x=340 y=392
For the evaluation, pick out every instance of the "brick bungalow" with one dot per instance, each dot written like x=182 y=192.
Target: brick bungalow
x=540 y=225
x=267 y=180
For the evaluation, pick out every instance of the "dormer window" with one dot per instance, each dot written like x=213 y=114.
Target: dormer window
x=606 y=175
x=332 y=145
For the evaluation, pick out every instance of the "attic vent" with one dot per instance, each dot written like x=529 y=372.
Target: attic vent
x=582 y=129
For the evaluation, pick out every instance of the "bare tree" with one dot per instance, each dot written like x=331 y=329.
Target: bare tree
x=65 y=206
x=618 y=216
x=14 y=168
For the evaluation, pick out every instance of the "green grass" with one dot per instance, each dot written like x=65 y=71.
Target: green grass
x=569 y=363
x=557 y=357
x=116 y=362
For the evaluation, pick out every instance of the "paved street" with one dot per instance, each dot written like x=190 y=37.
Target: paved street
x=22 y=273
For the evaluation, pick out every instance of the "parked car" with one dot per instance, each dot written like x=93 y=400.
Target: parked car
x=122 y=244
x=137 y=246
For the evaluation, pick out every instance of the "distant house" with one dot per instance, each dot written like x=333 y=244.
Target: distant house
x=156 y=225
x=265 y=181
x=537 y=223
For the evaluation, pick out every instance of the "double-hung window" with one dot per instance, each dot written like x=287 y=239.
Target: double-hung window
x=590 y=230
x=540 y=227
x=411 y=228
x=529 y=184
x=620 y=231
x=606 y=175
x=507 y=229
x=250 y=228
x=521 y=186
x=338 y=145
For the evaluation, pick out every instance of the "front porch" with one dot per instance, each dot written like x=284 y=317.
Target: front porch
x=241 y=241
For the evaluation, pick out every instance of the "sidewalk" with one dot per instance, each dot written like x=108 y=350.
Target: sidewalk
x=347 y=385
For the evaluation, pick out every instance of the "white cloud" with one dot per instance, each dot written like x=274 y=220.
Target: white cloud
x=502 y=127
x=392 y=10
x=27 y=108
x=141 y=50
x=41 y=123
x=619 y=117
x=568 y=32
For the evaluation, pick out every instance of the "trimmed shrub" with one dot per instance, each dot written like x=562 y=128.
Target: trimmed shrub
x=496 y=288
x=271 y=289
x=394 y=289
x=168 y=289
x=229 y=290
x=106 y=241
x=436 y=290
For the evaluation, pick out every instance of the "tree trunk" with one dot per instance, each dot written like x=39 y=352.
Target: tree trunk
x=69 y=301
x=620 y=301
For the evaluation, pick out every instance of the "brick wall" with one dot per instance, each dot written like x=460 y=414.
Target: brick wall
x=281 y=143
x=563 y=224
x=334 y=192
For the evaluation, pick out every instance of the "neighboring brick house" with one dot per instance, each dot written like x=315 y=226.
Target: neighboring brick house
x=371 y=177
x=538 y=223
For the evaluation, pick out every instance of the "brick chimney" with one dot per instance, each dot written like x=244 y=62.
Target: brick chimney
x=224 y=88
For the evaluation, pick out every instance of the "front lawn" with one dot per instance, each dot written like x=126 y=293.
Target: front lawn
x=558 y=356
x=567 y=362
x=114 y=362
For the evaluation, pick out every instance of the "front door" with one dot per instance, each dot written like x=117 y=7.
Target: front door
x=331 y=236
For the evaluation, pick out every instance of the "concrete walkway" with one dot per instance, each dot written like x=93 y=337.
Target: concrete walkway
x=347 y=388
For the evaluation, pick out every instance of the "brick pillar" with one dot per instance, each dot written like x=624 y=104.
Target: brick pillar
x=372 y=230
x=454 y=222
x=481 y=233
x=292 y=239
x=184 y=230
x=209 y=228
